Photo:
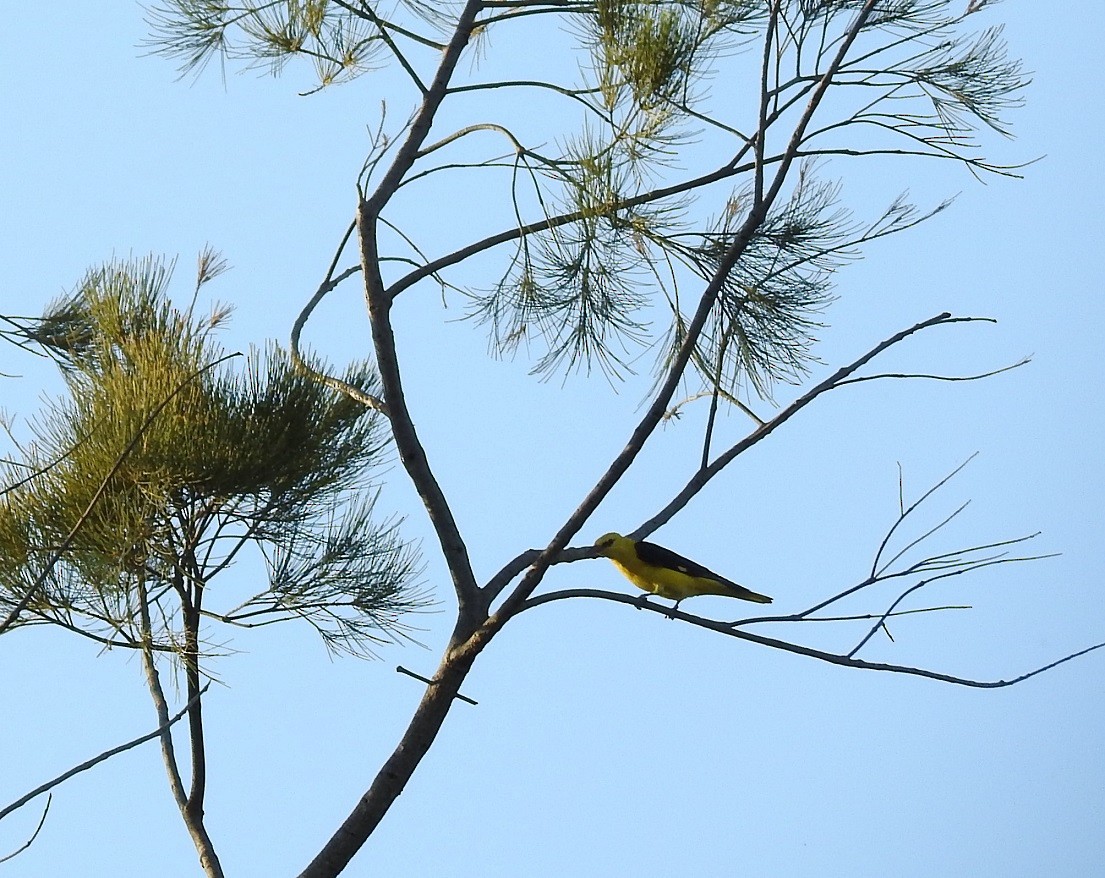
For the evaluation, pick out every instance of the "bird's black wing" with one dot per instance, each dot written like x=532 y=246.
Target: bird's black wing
x=651 y=553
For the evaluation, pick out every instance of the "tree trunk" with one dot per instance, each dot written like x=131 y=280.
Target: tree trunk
x=397 y=770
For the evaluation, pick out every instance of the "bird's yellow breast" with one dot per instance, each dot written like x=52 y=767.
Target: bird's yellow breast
x=662 y=572
x=670 y=584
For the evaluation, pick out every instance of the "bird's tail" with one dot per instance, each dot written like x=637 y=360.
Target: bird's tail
x=746 y=594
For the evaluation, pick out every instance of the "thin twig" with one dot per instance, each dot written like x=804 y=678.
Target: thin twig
x=96 y=760
x=329 y=283
x=30 y=841
x=947 y=520
x=705 y=474
x=518 y=564
x=797 y=648
x=430 y=682
x=903 y=514
x=856 y=617
x=977 y=377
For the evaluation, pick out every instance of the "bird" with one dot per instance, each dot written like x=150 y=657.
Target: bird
x=662 y=572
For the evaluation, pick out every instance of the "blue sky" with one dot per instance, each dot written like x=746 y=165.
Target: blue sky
x=606 y=741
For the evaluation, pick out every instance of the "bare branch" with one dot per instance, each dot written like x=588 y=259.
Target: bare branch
x=422 y=679
x=1024 y=361
x=96 y=760
x=192 y=816
x=797 y=648
x=761 y=128
x=922 y=537
x=705 y=474
x=881 y=621
x=330 y=282
x=662 y=398
x=30 y=841
x=161 y=704
x=379 y=300
x=906 y=512
x=855 y=617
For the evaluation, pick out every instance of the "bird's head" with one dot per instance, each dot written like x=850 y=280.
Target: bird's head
x=607 y=542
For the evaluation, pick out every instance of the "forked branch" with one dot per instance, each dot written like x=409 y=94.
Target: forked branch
x=757 y=214
x=839 y=378
x=842 y=659
x=925 y=571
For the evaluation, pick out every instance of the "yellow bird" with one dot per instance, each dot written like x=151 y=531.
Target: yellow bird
x=662 y=572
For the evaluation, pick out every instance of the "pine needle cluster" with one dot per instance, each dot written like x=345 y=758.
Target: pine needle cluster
x=164 y=459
